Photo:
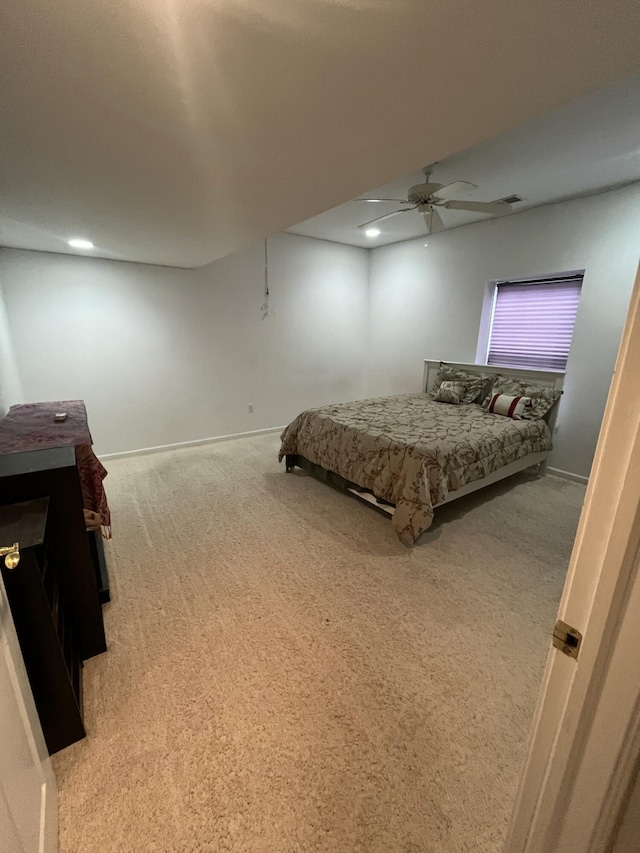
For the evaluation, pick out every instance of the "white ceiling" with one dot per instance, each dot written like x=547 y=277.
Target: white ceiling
x=174 y=131
x=587 y=146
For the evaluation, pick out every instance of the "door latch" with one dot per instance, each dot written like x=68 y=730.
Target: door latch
x=567 y=639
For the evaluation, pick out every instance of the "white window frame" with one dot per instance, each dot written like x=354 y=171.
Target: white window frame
x=489 y=306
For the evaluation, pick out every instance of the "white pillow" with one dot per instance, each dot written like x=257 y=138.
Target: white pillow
x=543 y=398
x=510 y=407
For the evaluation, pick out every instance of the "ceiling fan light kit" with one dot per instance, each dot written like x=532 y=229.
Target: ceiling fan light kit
x=428 y=196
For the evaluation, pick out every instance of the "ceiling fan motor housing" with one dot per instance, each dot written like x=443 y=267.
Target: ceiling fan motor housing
x=420 y=193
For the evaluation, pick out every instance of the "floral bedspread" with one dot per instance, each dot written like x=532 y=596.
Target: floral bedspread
x=31 y=426
x=411 y=451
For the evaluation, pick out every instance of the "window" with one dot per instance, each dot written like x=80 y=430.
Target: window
x=532 y=322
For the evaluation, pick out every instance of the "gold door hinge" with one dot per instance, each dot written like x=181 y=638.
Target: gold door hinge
x=567 y=639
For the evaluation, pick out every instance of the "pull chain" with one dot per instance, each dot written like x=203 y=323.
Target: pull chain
x=266 y=305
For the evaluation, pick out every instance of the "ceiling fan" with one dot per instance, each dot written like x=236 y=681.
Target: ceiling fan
x=427 y=197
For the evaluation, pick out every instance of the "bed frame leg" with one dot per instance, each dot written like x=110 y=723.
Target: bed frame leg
x=542 y=468
x=289 y=462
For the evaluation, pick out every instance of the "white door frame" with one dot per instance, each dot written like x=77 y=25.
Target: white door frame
x=586 y=732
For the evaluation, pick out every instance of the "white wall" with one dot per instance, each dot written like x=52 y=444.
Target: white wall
x=164 y=355
x=426 y=302
x=10 y=387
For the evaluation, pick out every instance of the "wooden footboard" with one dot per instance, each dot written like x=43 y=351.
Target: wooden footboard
x=516 y=467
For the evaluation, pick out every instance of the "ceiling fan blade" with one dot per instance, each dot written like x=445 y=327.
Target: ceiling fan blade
x=493 y=208
x=454 y=189
x=386 y=216
x=433 y=221
x=381 y=200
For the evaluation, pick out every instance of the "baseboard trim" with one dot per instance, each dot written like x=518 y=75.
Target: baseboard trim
x=143 y=450
x=567 y=475
x=558 y=472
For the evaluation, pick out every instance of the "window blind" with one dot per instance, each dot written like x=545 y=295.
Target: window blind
x=533 y=323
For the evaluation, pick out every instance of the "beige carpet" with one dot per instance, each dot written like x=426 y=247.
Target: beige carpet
x=283 y=676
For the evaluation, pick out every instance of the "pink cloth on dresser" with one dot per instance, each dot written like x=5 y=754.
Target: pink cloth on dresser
x=31 y=426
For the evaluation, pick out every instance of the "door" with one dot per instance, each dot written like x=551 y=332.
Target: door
x=586 y=733
x=28 y=795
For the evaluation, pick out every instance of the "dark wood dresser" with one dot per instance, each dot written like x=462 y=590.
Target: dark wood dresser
x=44 y=622
x=57 y=588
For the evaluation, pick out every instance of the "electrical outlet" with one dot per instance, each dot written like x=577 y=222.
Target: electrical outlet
x=250 y=408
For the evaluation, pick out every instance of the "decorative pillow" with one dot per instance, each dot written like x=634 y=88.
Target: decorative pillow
x=450 y=392
x=543 y=398
x=475 y=382
x=510 y=407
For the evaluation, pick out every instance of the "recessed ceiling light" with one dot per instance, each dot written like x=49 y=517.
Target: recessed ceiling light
x=372 y=232
x=79 y=243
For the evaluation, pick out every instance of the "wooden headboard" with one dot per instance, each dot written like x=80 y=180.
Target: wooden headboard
x=549 y=378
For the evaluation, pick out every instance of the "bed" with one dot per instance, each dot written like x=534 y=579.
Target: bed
x=409 y=454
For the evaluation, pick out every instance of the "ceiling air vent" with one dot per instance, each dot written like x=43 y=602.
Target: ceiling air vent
x=512 y=199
